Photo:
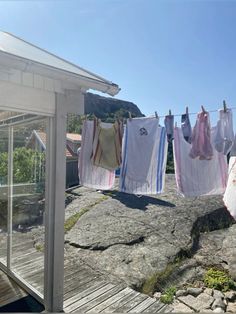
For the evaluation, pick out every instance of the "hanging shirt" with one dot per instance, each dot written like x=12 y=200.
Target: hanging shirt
x=224 y=136
x=144 y=157
x=169 y=125
x=201 y=138
x=233 y=149
x=195 y=177
x=107 y=145
x=186 y=127
x=92 y=176
x=230 y=192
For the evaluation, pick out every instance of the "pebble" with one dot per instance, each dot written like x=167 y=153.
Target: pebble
x=157 y=295
x=231 y=307
x=180 y=293
x=208 y=291
x=218 y=294
x=230 y=295
x=194 y=291
x=218 y=310
x=219 y=303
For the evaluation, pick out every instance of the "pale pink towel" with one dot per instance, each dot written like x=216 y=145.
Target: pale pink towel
x=230 y=192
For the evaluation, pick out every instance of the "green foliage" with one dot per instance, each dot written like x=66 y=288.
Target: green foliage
x=155 y=281
x=168 y=296
x=218 y=279
x=74 y=123
x=28 y=166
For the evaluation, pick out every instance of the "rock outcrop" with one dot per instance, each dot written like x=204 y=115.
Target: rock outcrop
x=133 y=237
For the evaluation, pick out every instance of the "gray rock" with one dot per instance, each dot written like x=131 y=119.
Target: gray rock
x=157 y=295
x=230 y=295
x=208 y=291
x=201 y=302
x=217 y=294
x=195 y=291
x=218 y=310
x=180 y=293
x=231 y=307
x=179 y=307
x=219 y=303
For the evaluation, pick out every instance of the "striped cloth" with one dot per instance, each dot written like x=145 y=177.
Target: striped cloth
x=90 y=175
x=144 y=155
x=196 y=177
x=230 y=192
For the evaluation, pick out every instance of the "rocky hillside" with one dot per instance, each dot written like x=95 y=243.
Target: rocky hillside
x=106 y=108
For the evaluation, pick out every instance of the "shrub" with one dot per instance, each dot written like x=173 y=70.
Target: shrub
x=168 y=296
x=218 y=279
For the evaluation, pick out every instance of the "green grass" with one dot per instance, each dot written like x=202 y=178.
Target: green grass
x=168 y=296
x=218 y=279
x=39 y=247
x=72 y=220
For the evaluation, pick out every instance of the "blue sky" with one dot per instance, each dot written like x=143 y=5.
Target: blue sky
x=163 y=54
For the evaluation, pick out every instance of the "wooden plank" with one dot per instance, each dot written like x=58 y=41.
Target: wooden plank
x=110 y=301
x=81 y=298
x=75 y=289
x=143 y=305
x=130 y=305
x=104 y=297
x=127 y=298
x=80 y=282
x=155 y=307
x=90 y=297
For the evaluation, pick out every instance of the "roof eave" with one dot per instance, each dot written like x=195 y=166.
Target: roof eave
x=56 y=73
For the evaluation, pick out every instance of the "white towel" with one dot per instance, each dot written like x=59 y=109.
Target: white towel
x=196 y=177
x=230 y=192
x=90 y=175
x=144 y=155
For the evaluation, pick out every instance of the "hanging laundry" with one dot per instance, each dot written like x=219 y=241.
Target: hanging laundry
x=201 y=138
x=107 y=145
x=224 y=135
x=169 y=125
x=195 y=177
x=92 y=176
x=144 y=155
x=233 y=149
x=230 y=192
x=186 y=127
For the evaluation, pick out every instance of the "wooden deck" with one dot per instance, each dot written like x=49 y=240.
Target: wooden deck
x=86 y=290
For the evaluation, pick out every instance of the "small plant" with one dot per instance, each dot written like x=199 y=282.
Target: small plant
x=168 y=296
x=39 y=247
x=218 y=279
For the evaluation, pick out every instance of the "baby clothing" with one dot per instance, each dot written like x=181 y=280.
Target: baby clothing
x=201 y=138
x=224 y=135
x=89 y=174
x=144 y=156
x=186 y=127
x=230 y=192
x=233 y=149
x=107 y=145
x=196 y=177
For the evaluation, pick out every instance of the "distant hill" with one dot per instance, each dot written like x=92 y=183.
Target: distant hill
x=107 y=108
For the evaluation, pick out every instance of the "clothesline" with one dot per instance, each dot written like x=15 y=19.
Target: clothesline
x=193 y=113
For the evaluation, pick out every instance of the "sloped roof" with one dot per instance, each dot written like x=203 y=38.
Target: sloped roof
x=18 y=47
x=73 y=137
x=41 y=136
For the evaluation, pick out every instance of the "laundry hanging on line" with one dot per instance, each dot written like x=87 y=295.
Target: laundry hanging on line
x=195 y=177
x=144 y=157
x=90 y=175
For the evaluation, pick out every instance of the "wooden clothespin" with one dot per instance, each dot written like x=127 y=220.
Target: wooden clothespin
x=176 y=124
x=156 y=115
x=224 y=106
x=130 y=116
x=186 y=110
x=169 y=112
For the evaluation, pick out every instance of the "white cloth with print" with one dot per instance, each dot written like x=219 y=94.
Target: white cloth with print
x=144 y=155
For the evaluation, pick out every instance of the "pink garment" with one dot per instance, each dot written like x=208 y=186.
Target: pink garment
x=201 y=138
